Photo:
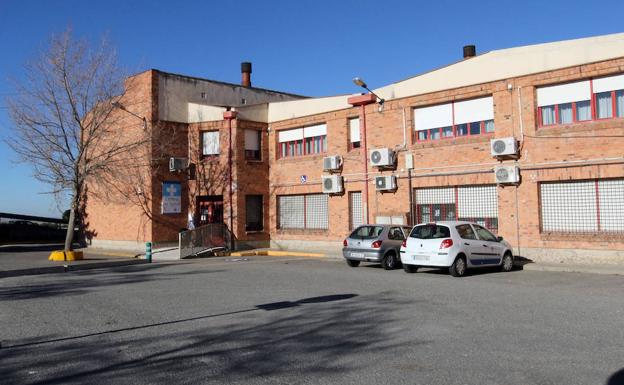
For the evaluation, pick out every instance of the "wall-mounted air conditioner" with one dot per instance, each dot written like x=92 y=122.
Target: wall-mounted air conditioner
x=385 y=183
x=382 y=157
x=332 y=163
x=177 y=164
x=507 y=174
x=332 y=184
x=504 y=147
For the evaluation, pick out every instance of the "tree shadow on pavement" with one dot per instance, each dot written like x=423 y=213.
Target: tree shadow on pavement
x=84 y=281
x=327 y=336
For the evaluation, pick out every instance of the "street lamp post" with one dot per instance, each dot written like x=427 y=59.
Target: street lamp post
x=362 y=101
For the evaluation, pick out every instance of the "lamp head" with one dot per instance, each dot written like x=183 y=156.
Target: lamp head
x=359 y=82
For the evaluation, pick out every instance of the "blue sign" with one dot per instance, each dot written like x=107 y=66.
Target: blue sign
x=171 y=198
x=304 y=178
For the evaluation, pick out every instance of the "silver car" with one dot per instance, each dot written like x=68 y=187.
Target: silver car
x=375 y=243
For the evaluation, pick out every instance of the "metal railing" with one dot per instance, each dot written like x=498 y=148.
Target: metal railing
x=203 y=239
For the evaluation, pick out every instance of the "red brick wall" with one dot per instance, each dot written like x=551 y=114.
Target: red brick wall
x=385 y=129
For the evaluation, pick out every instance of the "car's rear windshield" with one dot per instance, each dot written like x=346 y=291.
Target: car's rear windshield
x=367 y=232
x=430 y=232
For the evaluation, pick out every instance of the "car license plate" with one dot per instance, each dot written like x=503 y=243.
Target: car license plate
x=357 y=255
x=420 y=257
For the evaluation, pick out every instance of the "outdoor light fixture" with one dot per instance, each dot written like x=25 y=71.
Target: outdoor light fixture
x=123 y=108
x=359 y=82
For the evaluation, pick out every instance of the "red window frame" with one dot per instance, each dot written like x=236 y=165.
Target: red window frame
x=482 y=132
x=593 y=106
x=322 y=147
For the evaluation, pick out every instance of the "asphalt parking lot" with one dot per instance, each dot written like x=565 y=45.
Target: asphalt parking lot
x=266 y=320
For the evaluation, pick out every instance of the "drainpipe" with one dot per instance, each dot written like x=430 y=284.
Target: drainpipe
x=228 y=116
x=362 y=101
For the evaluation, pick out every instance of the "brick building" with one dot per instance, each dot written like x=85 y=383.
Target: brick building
x=553 y=112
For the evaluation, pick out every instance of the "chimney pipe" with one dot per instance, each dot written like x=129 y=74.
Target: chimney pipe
x=470 y=51
x=246 y=74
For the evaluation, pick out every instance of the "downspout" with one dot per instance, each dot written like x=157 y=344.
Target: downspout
x=365 y=159
x=228 y=116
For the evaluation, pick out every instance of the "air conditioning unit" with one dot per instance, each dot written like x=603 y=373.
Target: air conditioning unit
x=507 y=174
x=504 y=147
x=331 y=163
x=382 y=157
x=177 y=164
x=385 y=183
x=332 y=184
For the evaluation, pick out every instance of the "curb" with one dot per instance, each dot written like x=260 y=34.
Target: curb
x=68 y=268
x=604 y=269
x=275 y=253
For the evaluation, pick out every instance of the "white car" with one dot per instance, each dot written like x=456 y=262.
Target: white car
x=455 y=245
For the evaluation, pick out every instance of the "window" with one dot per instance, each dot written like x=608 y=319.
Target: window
x=484 y=234
x=210 y=143
x=355 y=209
x=465 y=231
x=303 y=212
x=594 y=206
x=572 y=102
x=396 y=234
x=560 y=104
x=302 y=141
x=367 y=232
x=253 y=213
x=432 y=231
x=354 y=133
x=456 y=119
x=477 y=204
x=253 y=139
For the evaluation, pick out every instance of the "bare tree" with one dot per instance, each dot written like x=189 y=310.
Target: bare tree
x=65 y=123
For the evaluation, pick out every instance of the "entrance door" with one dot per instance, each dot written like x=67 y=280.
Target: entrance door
x=209 y=209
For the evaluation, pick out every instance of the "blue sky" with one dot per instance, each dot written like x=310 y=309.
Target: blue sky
x=306 y=47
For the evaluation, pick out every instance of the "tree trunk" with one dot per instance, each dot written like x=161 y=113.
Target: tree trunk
x=69 y=237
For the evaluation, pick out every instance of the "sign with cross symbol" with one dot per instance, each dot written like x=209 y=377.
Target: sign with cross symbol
x=171 y=198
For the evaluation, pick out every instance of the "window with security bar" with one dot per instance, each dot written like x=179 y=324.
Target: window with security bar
x=355 y=209
x=589 y=206
x=478 y=204
x=303 y=212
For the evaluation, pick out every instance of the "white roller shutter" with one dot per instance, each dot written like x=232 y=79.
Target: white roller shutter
x=563 y=93
x=610 y=83
x=475 y=110
x=290 y=135
x=252 y=141
x=433 y=117
x=354 y=130
x=312 y=131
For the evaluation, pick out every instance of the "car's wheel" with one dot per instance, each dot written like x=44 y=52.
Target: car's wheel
x=458 y=268
x=389 y=261
x=507 y=263
x=353 y=263
x=410 y=268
